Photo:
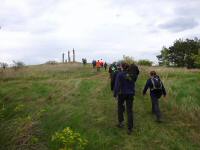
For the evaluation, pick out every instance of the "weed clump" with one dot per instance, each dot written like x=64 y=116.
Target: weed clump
x=68 y=139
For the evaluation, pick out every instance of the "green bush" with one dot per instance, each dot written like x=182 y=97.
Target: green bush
x=3 y=65
x=51 y=62
x=128 y=60
x=19 y=108
x=18 y=64
x=145 y=62
x=69 y=140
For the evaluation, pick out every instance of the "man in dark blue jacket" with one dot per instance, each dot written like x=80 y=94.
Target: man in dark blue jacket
x=157 y=89
x=125 y=90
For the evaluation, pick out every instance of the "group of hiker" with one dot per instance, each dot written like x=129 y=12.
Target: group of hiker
x=123 y=77
x=99 y=64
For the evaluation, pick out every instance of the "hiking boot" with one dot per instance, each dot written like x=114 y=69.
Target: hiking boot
x=129 y=131
x=120 y=125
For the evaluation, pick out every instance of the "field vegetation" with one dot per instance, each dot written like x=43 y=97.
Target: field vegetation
x=36 y=102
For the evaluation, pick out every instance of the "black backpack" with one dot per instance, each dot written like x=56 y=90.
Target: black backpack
x=134 y=72
x=130 y=77
x=157 y=84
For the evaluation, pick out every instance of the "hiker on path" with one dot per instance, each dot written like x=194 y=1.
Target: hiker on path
x=94 y=63
x=124 y=90
x=98 y=65
x=157 y=89
x=105 y=66
x=101 y=63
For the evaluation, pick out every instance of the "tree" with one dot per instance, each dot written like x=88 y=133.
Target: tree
x=163 y=58
x=183 y=53
x=128 y=59
x=18 y=64
x=3 y=65
x=84 y=61
x=196 y=61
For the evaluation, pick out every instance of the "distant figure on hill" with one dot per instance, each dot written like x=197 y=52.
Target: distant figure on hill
x=98 y=66
x=84 y=61
x=157 y=89
x=105 y=66
x=101 y=63
x=94 y=63
x=125 y=90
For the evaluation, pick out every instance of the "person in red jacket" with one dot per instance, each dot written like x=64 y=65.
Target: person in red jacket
x=101 y=63
x=98 y=65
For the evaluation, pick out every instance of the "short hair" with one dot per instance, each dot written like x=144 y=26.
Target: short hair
x=125 y=66
x=153 y=73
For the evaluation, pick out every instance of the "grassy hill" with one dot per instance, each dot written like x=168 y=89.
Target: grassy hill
x=37 y=101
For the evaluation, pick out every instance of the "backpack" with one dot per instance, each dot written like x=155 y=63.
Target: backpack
x=157 y=84
x=113 y=69
x=134 y=72
x=129 y=76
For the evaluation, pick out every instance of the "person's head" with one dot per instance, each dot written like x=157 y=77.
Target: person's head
x=125 y=66
x=152 y=73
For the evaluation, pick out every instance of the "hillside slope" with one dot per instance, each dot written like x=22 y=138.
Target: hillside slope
x=37 y=101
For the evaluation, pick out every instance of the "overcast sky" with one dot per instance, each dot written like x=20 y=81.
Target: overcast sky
x=35 y=31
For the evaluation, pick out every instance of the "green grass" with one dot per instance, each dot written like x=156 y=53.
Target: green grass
x=37 y=101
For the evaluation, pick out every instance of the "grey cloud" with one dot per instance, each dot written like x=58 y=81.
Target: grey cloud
x=188 y=11
x=14 y=18
x=179 y=24
x=108 y=40
x=185 y=16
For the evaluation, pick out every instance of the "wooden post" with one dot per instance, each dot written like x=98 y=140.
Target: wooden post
x=69 y=57
x=63 y=57
x=73 y=55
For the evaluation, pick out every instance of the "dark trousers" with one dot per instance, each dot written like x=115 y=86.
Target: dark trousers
x=128 y=98
x=112 y=84
x=155 y=106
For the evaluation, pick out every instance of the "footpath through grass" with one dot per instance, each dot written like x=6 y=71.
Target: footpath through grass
x=37 y=101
